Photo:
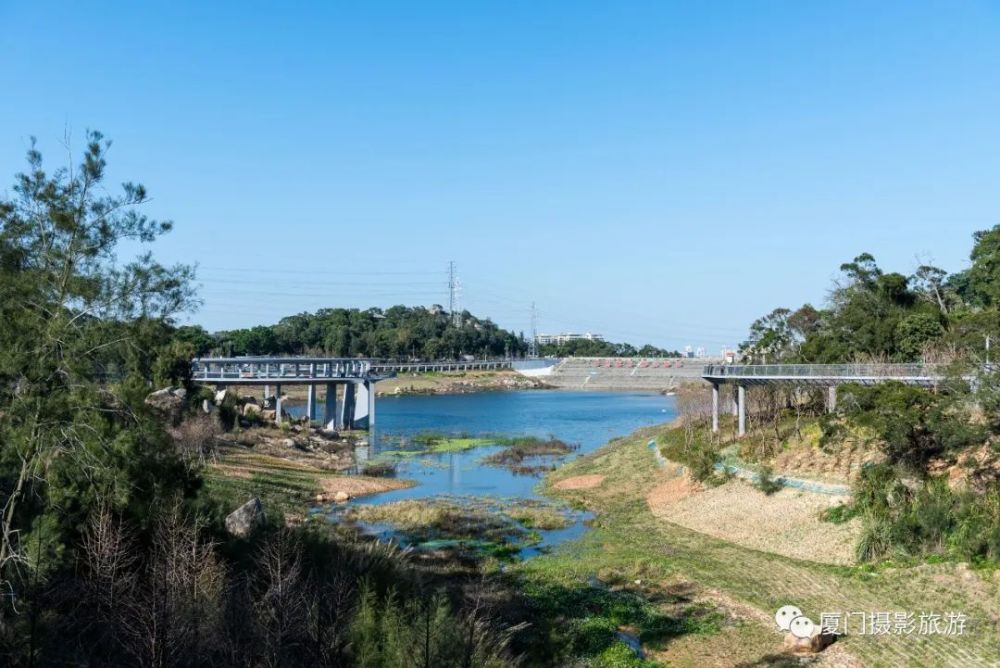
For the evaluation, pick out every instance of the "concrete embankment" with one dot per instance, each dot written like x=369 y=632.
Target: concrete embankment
x=458 y=382
x=624 y=374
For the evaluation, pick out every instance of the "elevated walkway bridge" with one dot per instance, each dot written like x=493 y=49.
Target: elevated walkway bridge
x=829 y=376
x=354 y=378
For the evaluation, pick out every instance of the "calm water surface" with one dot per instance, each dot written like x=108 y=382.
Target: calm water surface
x=587 y=419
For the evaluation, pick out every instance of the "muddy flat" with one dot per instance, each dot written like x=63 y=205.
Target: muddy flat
x=358 y=485
x=579 y=482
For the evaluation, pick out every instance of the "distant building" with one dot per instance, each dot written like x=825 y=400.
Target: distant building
x=556 y=339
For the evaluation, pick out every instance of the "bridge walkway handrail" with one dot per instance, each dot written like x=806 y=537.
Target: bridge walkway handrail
x=278 y=369
x=844 y=372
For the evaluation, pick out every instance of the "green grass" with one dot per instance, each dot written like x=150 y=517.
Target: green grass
x=495 y=528
x=437 y=443
x=627 y=543
x=425 y=443
x=283 y=486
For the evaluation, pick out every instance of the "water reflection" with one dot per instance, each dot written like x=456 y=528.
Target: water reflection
x=588 y=419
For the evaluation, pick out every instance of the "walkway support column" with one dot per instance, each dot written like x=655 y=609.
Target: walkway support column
x=831 y=399
x=736 y=402
x=347 y=407
x=311 y=395
x=371 y=404
x=311 y=402
x=277 y=404
x=741 y=401
x=330 y=407
x=715 y=408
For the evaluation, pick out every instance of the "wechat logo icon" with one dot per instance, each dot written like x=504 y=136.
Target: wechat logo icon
x=790 y=618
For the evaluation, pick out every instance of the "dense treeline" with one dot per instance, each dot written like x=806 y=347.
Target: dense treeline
x=874 y=315
x=935 y=487
x=112 y=552
x=399 y=333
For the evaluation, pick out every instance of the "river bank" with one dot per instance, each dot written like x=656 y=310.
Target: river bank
x=633 y=540
x=608 y=559
x=441 y=382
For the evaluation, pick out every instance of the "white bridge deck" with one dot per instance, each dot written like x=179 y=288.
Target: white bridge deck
x=286 y=370
x=825 y=375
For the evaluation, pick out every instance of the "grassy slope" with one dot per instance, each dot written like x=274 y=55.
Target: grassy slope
x=628 y=538
x=282 y=485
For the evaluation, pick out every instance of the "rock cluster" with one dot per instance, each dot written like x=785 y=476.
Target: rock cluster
x=169 y=401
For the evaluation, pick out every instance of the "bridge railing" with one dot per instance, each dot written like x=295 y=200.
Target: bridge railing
x=278 y=368
x=420 y=367
x=839 y=371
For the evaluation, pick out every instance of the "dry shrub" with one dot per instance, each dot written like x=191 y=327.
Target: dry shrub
x=197 y=437
x=694 y=404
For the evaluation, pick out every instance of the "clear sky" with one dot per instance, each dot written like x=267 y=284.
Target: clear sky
x=661 y=171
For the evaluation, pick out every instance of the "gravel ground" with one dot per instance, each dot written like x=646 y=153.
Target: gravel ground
x=785 y=523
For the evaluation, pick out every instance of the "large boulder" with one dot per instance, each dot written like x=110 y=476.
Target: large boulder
x=166 y=402
x=220 y=396
x=242 y=521
x=250 y=409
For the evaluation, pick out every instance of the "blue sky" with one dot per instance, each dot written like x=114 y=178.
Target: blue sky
x=658 y=171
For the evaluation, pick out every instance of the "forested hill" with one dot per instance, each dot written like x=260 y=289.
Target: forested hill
x=400 y=332
x=927 y=315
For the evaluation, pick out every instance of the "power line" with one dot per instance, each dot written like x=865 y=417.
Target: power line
x=244 y=271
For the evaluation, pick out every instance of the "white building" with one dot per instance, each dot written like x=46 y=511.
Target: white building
x=548 y=339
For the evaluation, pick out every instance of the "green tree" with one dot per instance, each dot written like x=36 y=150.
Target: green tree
x=771 y=338
x=982 y=287
x=913 y=424
x=914 y=332
x=80 y=335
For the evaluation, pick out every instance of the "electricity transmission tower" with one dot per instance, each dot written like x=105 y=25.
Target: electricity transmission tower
x=453 y=290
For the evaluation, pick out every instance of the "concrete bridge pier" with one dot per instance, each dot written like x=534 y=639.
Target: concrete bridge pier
x=715 y=408
x=278 y=419
x=370 y=386
x=330 y=406
x=311 y=396
x=347 y=407
x=831 y=399
x=741 y=401
x=311 y=403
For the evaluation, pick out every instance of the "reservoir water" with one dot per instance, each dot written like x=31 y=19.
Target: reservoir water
x=586 y=419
